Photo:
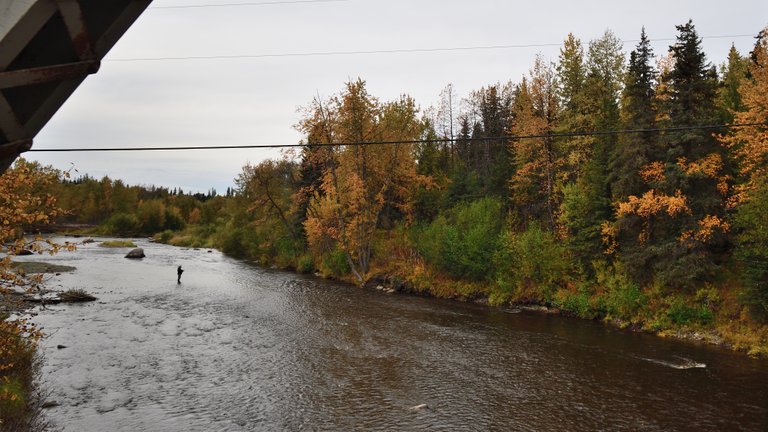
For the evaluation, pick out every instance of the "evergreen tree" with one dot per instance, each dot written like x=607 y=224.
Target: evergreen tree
x=733 y=72
x=693 y=103
x=463 y=183
x=575 y=106
x=586 y=202
x=635 y=150
x=682 y=213
x=571 y=72
x=430 y=157
x=495 y=109
x=692 y=97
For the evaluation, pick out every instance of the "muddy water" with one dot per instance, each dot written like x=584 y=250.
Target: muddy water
x=240 y=348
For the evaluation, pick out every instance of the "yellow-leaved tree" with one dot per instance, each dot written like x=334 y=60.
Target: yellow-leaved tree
x=26 y=203
x=361 y=186
x=749 y=144
x=538 y=161
x=749 y=147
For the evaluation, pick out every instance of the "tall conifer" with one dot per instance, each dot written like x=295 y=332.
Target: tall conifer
x=638 y=111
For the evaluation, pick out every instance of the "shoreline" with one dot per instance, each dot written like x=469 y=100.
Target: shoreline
x=701 y=337
x=391 y=283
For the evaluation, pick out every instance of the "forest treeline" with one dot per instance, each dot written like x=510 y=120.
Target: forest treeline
x=505 y=193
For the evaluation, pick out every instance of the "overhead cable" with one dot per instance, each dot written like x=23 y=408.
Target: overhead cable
x=265 y=3
x=383 y=51
x=421 y=141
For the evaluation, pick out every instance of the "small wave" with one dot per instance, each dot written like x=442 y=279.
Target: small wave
x=681 y=363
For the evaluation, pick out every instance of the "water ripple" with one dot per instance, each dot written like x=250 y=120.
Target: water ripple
x=238 y=348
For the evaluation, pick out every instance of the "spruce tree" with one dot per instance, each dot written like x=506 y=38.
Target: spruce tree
x=576 y=107
x=586 y=202
x=692 y=98
x=687 y=246
x=571 y=72
x=638 y=111
x=734 y=71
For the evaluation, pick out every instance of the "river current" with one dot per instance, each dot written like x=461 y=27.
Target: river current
x=236 y=347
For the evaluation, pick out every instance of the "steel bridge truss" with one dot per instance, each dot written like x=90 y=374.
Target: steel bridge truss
x=47 y=48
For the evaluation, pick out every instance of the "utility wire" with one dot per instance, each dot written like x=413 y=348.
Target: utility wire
x=265 y=3
x=385 y=51
x=421 y=141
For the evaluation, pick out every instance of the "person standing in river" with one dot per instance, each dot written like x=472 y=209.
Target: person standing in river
x=179 y=271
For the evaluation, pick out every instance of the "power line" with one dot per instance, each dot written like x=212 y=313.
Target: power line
x=385 y=51
x=266 y=3
x=421 y=141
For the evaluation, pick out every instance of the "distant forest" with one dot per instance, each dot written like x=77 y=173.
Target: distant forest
x=507 y=195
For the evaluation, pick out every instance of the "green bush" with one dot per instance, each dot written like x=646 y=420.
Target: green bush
x=335 y=263
x=463 y=241
x=682 y=313
x=623 y=298
x=151 y=215
x=752 y=253
x=576 y=304
x=122 y=224
x=285 y=251
x=19 y=364
x=173 y=220
x=305 y=264
x=165 y=236
x=232 y=243
x=534 y=259
x=13 y=401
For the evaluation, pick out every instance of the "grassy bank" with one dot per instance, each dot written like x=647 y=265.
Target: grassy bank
x=117 y=244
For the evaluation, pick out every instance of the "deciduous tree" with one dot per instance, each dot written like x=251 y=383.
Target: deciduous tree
x=361 y=183
x=538 y=161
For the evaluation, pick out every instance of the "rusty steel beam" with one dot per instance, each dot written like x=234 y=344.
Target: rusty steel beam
x=10 y=151
x=46 y=51
x=24 y=77
x=19 y=146
x=21 y=21
x=75 y=22
x=119 y=26
x=9 y=123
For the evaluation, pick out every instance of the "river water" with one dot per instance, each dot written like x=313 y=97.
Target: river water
x=236 y=347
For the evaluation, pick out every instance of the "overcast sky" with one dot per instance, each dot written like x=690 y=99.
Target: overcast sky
x=242 y=101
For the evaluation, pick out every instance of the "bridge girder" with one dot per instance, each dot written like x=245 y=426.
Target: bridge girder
x=47 y=49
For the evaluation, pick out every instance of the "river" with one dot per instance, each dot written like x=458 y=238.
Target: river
x=236 y=347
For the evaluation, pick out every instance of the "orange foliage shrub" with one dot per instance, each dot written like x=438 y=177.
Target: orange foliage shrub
x=25 y=201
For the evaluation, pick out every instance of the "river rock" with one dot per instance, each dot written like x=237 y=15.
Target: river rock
x=24 y=252
x=136 y=253
x=389 y=284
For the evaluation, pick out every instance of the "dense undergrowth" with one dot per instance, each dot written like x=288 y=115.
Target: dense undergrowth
x=468 y=255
